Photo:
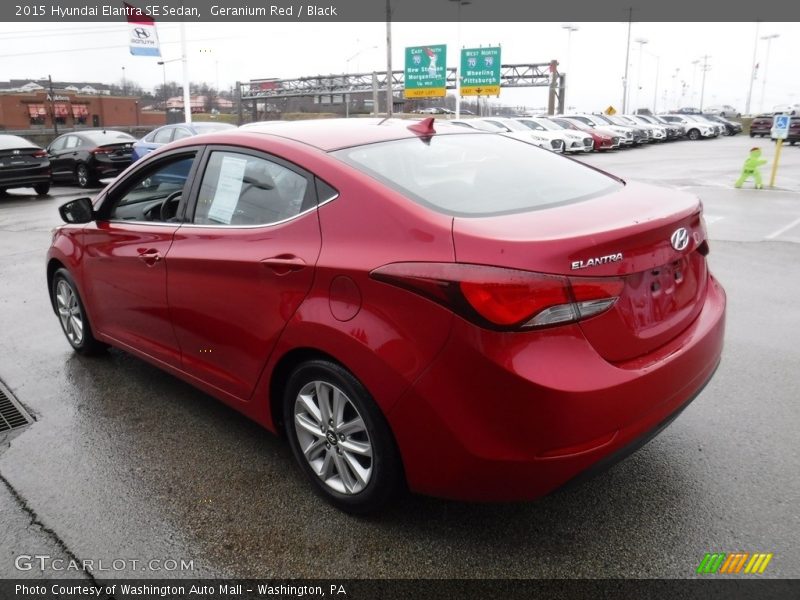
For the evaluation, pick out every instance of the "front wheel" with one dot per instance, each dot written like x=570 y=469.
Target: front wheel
x=42 y=189
x=72 y=315
x=693 y=134
x=340 y=438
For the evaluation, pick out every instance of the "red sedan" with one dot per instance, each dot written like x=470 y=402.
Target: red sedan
x=604 y=139
x=449 y=310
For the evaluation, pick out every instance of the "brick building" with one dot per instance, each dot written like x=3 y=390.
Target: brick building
x=37 y=109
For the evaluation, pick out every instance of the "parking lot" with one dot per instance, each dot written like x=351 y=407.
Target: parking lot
x=124 y=461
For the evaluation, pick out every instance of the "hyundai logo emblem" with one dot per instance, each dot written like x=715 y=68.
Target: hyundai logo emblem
x=141 y=33
x=680 y=239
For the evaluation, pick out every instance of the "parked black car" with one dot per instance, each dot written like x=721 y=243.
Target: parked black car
x=23 y=164
x=731 y=127
x=761 y=125
x=88 y=156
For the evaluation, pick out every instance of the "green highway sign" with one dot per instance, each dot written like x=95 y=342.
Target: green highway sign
x=480 y=72
x=426 y=71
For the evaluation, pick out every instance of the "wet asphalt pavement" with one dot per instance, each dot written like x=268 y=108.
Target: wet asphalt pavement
x=126 y=462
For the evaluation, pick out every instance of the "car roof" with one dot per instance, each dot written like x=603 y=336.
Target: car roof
x=334 y=134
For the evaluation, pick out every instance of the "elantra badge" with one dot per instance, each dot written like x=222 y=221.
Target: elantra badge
x=599 y=260
x=680 y=239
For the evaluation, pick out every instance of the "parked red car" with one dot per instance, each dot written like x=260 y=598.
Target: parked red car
x=761 y=125
x=604 y=139
x=452 y=310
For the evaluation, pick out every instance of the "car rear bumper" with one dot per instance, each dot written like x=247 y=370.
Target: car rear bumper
x=24 y=178
x=513 y=416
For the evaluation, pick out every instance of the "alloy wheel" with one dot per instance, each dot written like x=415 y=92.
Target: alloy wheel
x=69 y=312
x=333 y=437
x=82 y=175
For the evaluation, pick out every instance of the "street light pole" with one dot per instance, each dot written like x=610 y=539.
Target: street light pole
x=389 y=91
x=627 y=60
x=694 y=77
x=459 y=4
x=53 y=105
x=752 y=71
x=568 y=67
x=769 y=39
x=347 y=70
x=164 y=88
x=703 y=84
x=655 y=92
x=641 y=42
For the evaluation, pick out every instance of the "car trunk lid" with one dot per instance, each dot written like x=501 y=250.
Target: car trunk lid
x=626 y=235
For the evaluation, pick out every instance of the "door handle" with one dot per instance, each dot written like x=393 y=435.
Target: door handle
x=150 y=257
x=284 y=264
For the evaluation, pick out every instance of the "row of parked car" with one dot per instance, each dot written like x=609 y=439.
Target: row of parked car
x=85 y=157
x=600 y=133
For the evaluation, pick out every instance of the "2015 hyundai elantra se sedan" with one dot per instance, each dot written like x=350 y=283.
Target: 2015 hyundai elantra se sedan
x=412 y=304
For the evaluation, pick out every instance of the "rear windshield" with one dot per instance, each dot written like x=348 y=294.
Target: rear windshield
x=108 y=137
x=474 y=174
x=8 y=142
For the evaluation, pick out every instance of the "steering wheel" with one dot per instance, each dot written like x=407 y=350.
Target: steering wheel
x=169 y=208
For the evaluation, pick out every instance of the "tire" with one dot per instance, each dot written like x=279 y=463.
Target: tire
x=351 y=460
x=42 y=189
x=752 y=134
x=792 y=142
x=83 y=177
x=693 y=134
x=72 y=315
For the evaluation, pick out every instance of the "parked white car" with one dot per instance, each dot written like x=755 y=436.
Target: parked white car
x=575 y=141
x=694 y=129
x=546 y=139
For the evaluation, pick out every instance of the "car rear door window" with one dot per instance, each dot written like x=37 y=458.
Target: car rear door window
x=242 y=189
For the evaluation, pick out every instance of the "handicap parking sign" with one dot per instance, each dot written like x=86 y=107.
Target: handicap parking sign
x=780 y=127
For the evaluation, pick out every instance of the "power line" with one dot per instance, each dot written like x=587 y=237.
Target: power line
x=63 y=51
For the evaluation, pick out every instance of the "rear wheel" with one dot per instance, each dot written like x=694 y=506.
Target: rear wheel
x=72 y=315
x=693 y=134
x=42 y=188
x=82 y=176
x=340 y=438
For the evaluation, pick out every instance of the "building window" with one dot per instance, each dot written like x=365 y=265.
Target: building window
x=80 y=112
x=37 y=114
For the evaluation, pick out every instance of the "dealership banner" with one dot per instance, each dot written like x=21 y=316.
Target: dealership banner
x=142 y=33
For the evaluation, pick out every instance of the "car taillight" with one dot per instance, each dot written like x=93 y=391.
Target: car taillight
x=40 y=154
x=504 y=299
x=102 y=151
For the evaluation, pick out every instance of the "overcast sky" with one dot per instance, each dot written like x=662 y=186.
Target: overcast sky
x=225 y=52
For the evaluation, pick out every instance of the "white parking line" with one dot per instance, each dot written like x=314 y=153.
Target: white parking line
x=782 y=230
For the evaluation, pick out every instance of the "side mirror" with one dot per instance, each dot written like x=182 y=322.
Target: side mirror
x=79 y=210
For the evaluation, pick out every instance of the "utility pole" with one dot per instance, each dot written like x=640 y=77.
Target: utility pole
x=459 y=4
x=752 y=71
x=389 y=91
x=627 y=60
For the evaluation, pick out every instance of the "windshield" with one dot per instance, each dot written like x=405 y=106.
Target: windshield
x=511 y=124
x=474 y=174
x=532 y=124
